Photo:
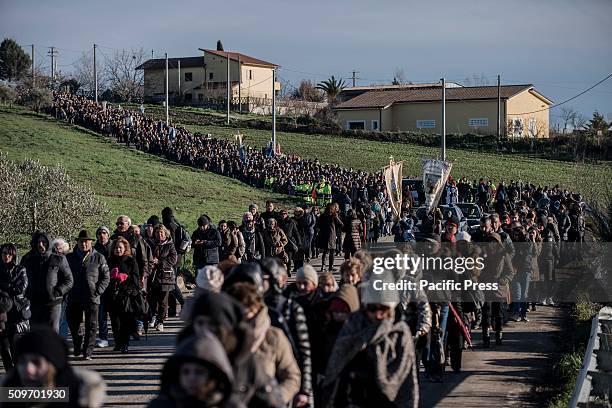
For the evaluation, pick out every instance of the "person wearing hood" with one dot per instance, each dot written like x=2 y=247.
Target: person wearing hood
x=198 y=374
x=372 y=363
x=271 y=344
x=220 y=314
x=13 y=284
x=91 y=278
x=341 y=304
x=49 y=278
x=42 y=361
x=292 y=320
x=163 y=281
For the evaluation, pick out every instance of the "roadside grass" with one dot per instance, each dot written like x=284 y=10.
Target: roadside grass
x=129 y=181
x=588 y=179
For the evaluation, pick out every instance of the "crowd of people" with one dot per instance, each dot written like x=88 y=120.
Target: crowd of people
x=251 y=337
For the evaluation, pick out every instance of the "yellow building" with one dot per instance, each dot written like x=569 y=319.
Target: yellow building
x=524 y=110
x=197 y=80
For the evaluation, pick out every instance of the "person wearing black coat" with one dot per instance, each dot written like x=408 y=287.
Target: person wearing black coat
x=138 y=245
x=91 y=278
x=163 y=278
x=290 y=229
x=124 y=286
x=306 y=222
x=205 y=241
x=329 y=225
x=50 y=279
x=13 y=283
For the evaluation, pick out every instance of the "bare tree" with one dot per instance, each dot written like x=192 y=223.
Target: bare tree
x=84 y=74
x=568 y=114
x=307 y=91
x=124 y=80
x=399 y=77
x=579 y=122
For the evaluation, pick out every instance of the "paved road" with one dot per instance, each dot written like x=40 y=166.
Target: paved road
x=505 y=376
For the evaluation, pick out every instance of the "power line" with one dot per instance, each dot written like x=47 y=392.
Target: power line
x=567 y=100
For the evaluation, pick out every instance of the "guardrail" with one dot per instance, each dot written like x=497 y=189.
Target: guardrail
x=594 y=382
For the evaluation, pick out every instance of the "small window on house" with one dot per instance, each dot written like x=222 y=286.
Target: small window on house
x=188 y=97
x=426 y=124
x=251 y=74
x=188 y=76
x=375 y=125
x=355 y=124
x=478 y=122
x=200 y=97
x=210 y=76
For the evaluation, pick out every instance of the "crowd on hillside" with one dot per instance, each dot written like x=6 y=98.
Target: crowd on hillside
x=251 y=338
x=250 y=165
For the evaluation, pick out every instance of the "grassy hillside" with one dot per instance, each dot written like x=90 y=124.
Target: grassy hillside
x=590 y=179
x=130 y=182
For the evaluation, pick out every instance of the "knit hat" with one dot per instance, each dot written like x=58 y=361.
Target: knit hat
x=307 y=272
x=210 y=277
x=348 y=294
x=153 y=220
x=463 y=236
x=46 y=342
x=101 y=229
x=369 y=295
x=221 y=308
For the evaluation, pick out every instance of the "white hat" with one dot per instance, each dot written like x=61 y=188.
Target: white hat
x=307 y=272
x=463 y=236
x=210 y=277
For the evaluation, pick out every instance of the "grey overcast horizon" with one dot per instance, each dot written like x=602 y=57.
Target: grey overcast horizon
x=560 y=46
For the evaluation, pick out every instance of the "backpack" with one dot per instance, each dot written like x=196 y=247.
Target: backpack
x=183 y=240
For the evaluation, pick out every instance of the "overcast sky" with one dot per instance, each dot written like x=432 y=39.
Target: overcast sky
x=560 y=46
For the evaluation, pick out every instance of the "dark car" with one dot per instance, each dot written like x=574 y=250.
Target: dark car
x=455 y=213
x=472 y=213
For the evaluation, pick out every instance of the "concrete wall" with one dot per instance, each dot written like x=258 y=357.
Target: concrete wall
x=367 y=115
x=534 y=124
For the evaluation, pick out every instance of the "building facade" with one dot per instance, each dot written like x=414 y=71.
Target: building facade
x=201 y=80
x=524 y=111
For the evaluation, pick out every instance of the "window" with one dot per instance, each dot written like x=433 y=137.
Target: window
x=188 y=97
x=375 y=125
x=188 y=76
x=355 y=124
x=251 y=76
x=210 y=76
x=426 y=124
x=478 y=122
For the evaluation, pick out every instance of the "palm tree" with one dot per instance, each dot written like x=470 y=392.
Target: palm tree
x=332 y=87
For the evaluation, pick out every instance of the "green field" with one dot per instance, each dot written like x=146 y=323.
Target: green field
x=130 y=182
x=589 y=179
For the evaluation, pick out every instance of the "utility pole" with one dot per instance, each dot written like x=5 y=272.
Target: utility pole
x=354 y=77
x=498 y=107
x=95 y=74
x=239 y=83
x=228 y=87
x=179 y=79
x=274 y=110
x=152 y=55
x=443 y=139
x=52 y=53
x=33 y=65
x=167 y=113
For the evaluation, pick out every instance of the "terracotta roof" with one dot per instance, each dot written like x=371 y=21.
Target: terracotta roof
x=399 y=87
x=381 y=99
x=160 y=63
x=245 y=59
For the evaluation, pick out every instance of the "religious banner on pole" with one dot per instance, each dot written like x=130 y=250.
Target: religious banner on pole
x=239 y=137
x=393 y=184
x=435 y=174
